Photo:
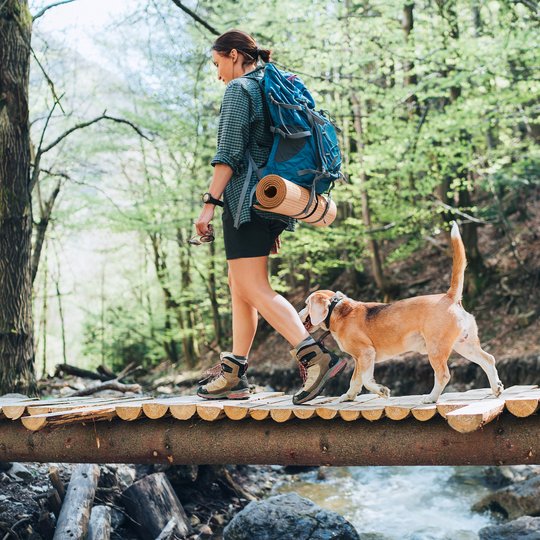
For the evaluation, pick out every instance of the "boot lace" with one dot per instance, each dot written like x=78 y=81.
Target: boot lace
x=211 y=374
x=303 y=371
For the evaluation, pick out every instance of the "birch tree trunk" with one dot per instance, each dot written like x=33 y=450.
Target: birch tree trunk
x=16 y=330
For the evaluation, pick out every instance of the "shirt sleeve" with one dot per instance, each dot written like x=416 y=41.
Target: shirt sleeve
x=233 y=131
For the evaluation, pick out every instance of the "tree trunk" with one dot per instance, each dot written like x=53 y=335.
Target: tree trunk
x=408 y=65
x=212 y=291
x=189 y=343
x=16 y=330
x=171 y=305
x=373 y=245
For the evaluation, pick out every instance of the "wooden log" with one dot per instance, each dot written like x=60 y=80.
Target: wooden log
x=54 y=501
x=213 y=410
x=75 y=513
x=262 y=410
x=152 y=503
x=238 y=410
x=68 y=369
x=39 y=421
x=474 y=416
x=158 y=408
x=424 y=412
x=109 y=385
x=168 y=531
x=522 y=406
x=99 y=527
x=56 y=481
x=46 y=406
x=283 y=411
x=400 y=408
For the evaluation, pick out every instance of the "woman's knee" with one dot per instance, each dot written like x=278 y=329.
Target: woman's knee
x=248 y=283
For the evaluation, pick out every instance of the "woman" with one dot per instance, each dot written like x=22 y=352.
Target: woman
x=250 y=235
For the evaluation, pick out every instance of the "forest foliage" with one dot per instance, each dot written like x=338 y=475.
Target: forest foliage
x=436 y=100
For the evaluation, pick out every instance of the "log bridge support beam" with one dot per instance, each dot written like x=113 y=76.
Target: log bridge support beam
x=505 y=441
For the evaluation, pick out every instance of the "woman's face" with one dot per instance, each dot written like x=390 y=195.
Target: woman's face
x=229 y=66
x=225 y=64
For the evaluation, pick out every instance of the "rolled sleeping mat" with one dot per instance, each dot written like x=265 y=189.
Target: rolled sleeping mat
x=280 y=196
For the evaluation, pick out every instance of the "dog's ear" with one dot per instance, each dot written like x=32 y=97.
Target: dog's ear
x=318 y=309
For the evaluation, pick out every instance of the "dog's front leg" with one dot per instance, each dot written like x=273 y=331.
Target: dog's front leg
x=365 y=365
x=355 y=386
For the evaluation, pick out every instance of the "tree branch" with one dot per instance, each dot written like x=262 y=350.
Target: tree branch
x=194 y=16
x=89 y=123
x=46 y=8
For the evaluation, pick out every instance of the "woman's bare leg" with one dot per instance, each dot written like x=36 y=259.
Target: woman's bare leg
x=244 y=322
x=248 y=280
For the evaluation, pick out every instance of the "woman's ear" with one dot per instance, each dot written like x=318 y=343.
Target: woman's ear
x=233 y=55
x=318 y=310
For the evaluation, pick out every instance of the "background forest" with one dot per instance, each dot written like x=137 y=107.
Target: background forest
x=437 y=101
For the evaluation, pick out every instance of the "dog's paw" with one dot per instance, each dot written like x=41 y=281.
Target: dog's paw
x=428 y=399
x=384 y=392
x=346 y=397
x=499 y=388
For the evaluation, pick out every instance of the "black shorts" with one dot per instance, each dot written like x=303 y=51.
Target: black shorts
x=252 y=239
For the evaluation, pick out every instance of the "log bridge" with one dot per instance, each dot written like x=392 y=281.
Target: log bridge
x=467 y=428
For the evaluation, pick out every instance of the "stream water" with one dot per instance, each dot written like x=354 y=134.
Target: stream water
x=399 y=503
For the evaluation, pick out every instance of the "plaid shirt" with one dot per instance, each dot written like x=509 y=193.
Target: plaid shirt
x=243 y=127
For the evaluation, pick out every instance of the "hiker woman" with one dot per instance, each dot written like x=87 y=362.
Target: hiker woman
x=243 y=144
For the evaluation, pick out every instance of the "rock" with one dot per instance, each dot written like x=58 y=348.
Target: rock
x=288 y=517
x=20 y=471
x=523 y=528
x=205 y=530
x=494 y=477
x=497 y=477
x=520 y=499
x=126 y=475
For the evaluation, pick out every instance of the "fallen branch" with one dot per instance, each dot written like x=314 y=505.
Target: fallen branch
x=108 y=385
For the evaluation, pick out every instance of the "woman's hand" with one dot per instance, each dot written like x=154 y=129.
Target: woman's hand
x=202 y=225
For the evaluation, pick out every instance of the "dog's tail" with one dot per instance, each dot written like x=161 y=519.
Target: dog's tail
x=459 y=262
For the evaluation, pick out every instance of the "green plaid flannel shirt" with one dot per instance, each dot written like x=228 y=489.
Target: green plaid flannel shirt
x=242 y=126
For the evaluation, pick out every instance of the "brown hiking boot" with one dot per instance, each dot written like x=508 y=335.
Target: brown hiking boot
x=227 y=382
x=317 y=366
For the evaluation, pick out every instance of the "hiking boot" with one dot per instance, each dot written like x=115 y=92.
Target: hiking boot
x=228 y=381
x=317 y=366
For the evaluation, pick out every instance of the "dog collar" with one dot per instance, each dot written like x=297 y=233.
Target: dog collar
x=333 y=303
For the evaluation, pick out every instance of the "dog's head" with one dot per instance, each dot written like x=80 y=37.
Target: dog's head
x=316 y=310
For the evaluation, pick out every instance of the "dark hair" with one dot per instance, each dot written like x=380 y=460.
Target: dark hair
x=243 y=43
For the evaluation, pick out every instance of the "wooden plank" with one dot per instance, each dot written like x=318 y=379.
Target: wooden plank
x=519 y=389
x=475 y=415
x=523 y=404
x=347 y=410
x=158 y=408
x=238 y=410
x=262 y=411
x=38 y=421
x=46 y=407
x=213 y=410
x=285 y=411
x=456 y=400
x=400 y=408
x=424 y=412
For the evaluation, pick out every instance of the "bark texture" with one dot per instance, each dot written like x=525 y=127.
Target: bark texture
x=16 y=333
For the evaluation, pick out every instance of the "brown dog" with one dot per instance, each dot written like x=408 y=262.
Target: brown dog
x=372 y=332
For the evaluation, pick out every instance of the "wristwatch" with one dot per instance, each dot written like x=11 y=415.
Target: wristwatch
x=208 y=199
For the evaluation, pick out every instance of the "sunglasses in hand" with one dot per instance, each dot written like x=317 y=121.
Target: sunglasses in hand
x=197 y=240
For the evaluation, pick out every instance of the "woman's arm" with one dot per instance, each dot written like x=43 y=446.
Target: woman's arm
x=222 y=175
